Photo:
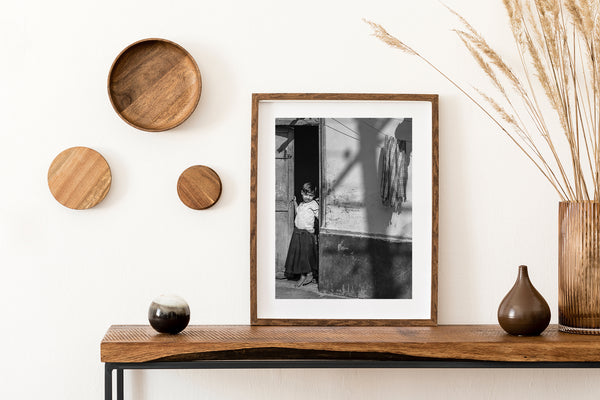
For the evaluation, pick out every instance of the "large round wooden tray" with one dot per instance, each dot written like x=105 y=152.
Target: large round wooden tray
x=154 y=85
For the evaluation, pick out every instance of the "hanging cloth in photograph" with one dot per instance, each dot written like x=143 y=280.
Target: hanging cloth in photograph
x=393 y=162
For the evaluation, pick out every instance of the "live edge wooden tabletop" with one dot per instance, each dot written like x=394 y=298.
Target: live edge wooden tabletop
x=140 y=343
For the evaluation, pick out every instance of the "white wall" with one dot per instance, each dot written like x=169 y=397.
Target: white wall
x=67 y=275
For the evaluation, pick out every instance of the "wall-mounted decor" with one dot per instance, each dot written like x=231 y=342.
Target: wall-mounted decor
x=79 y=178
x=344 y=209
x=199 y=187
x=154 y=85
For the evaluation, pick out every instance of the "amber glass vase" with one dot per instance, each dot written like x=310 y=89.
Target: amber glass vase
x=579 y=267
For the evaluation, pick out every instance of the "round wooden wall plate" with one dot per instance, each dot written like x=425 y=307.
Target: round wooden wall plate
x=199 y=187
x=79 y=178
x=154 y=85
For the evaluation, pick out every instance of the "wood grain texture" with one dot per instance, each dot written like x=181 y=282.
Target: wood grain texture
x=435 y=167
x=199 y=187
x=253 y=182
x=154 y=85
x=138 y=343
x=79 y=178
x=257 y=98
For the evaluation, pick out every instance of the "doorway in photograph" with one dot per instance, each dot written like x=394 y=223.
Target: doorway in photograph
x=358 y=176
x=297 y=163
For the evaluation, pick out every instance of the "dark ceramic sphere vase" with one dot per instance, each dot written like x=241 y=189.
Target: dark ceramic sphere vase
x=523 y=311
x=169 y=314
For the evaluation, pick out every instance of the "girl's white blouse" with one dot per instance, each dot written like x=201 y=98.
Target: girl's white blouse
x=306 y=214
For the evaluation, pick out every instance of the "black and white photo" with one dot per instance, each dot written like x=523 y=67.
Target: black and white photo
x=343 y=206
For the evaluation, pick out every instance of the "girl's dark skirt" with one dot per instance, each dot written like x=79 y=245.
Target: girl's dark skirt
x=302 y=253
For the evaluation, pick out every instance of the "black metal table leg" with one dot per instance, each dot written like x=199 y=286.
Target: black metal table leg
x=119 y=384
x=108 y=381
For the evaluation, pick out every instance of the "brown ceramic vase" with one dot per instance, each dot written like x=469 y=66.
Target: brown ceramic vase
x=523 y=311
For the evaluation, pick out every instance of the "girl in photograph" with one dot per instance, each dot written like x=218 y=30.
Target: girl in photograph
x=302 y=253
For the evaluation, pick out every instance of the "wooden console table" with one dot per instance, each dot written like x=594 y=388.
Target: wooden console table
x=448 y=346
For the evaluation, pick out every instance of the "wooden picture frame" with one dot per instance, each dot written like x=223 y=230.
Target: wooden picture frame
x=344 y=209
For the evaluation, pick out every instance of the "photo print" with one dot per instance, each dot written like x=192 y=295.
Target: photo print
x=343 y=208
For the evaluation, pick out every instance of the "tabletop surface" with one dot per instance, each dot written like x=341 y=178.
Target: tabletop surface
x=140 y=343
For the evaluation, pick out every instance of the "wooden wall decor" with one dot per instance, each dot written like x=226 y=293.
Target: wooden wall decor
x=79 y=178
x=199 y=187
x=154 y=85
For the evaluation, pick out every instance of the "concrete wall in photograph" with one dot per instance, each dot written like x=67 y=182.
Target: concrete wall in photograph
x=365 y=267
x=351 y=179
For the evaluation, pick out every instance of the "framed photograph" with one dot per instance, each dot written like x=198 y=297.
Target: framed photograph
x=344 y=209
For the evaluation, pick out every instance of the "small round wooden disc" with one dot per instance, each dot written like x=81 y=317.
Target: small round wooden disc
x=154 y=85
x=199 y=187
x=79 y=178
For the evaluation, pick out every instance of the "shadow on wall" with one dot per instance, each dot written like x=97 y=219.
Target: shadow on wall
x=371 y=265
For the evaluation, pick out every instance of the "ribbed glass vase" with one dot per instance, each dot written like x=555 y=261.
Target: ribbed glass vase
x=579 y=267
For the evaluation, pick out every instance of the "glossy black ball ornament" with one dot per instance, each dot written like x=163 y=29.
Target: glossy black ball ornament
x=169 y=314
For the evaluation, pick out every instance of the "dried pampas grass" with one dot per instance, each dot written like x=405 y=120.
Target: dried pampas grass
x=558 y=43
